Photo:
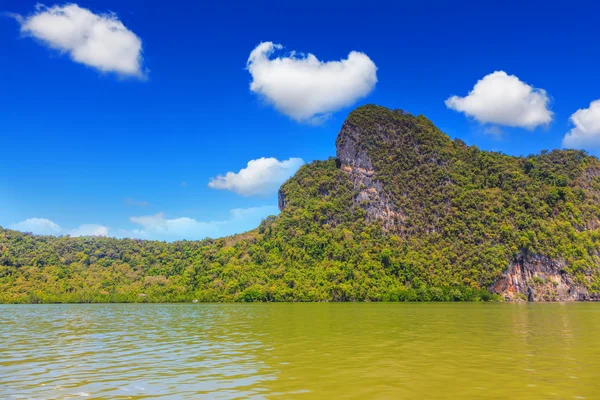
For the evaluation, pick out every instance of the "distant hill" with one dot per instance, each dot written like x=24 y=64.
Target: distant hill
x=403 y=213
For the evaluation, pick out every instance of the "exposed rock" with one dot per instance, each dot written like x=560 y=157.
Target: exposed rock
x=281 y=200
x=357 y=164
x=348 y=151
x=537 y=278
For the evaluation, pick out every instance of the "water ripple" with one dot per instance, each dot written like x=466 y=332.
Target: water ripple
x=443 y=351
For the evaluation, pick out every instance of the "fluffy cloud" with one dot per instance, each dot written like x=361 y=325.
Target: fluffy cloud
x=39 y=226
x=100 y=41
x=160 y=228
x=260 y=177
x=89 y=230
x=503 y=99
x=586 y=133
x=43 y=226
x=305 y=88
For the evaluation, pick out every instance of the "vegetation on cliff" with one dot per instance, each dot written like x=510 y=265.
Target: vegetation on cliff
x=402 y=213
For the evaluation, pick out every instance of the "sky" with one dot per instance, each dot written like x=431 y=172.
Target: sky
x=180 y=120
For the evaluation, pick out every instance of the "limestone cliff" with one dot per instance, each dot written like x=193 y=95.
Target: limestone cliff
x=537 y=278
x=369 y=192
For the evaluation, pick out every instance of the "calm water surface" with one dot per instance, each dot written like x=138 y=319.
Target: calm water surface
x=304 y=351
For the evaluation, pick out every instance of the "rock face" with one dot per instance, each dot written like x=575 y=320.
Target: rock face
x=537 y=278
x=357 y=164
x=281 y=201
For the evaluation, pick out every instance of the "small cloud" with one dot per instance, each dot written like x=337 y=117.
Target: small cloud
x=38 y=226
x=17 y=17
x=586 y=132
x=305 y=88
x=132 y=202
x=89 y=230
x=504 y=99
x=261 y=177
x=158 y=227
x=99 y=41
x=43 y=226
x=183 y=184
x=493 y=130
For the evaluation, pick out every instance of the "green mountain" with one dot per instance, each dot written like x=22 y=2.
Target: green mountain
x=403 y=213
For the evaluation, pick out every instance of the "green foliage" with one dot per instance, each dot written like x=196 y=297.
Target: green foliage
x=465 y=215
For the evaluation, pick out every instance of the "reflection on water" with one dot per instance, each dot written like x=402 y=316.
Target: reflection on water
x=384 y=351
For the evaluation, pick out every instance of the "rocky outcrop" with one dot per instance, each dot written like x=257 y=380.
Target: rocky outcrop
x=281 y=200
x=537 y=278
x=369 y=191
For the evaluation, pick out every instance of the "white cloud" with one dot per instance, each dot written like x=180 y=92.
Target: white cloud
x=260 y=177
x=305 y=88
x=586 y=133
x=503 y=99
x=39 y=226
x=493 y=130
x=160 y=228
x=100 y=41
x=43 y=226
x=89 y=230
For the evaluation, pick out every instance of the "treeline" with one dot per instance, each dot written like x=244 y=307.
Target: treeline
x=257 y=266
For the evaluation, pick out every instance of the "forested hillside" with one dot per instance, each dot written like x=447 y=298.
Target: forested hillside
x=402 y=213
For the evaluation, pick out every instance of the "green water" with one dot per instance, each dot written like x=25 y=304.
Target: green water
x=304 y=351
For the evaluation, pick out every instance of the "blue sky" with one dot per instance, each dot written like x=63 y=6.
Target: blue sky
x=96 y=140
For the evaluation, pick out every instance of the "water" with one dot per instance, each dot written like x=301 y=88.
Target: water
x=304 y=351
